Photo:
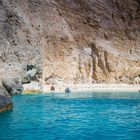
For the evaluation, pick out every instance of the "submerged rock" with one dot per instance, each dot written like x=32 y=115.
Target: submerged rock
x=5 y=103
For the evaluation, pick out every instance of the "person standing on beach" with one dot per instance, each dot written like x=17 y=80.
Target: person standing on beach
x=52 y=88
x=67 y=90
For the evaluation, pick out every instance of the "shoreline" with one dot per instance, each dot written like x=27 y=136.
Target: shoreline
x=35 y=87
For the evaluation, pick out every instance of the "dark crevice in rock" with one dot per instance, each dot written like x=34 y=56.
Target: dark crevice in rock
x=106 y=62
x=94 y=53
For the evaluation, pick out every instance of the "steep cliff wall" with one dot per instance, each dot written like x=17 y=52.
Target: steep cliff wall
x=71 y=40
x=20 y=41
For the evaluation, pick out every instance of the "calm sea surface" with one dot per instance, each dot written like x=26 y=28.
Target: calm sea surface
x=75 y=116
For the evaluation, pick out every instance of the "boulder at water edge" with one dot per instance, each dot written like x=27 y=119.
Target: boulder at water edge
x=5 y=99
x=12 y=85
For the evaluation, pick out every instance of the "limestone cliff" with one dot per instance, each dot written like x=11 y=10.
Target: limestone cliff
x=75 y=41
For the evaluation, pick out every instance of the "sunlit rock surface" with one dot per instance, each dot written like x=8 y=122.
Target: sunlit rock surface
x=77 y=41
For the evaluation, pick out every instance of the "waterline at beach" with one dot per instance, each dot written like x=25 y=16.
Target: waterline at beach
x=37 y=87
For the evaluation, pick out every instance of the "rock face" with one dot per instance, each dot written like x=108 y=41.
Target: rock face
x=5 y=100
x=8 y=88
x=12 y=85
x=76 y=41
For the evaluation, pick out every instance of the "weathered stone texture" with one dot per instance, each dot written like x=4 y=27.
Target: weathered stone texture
x=76 y=41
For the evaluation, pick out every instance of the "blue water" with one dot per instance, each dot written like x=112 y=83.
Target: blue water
x=78 y=116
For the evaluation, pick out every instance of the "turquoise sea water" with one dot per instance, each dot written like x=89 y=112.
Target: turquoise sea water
x=76 y=116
